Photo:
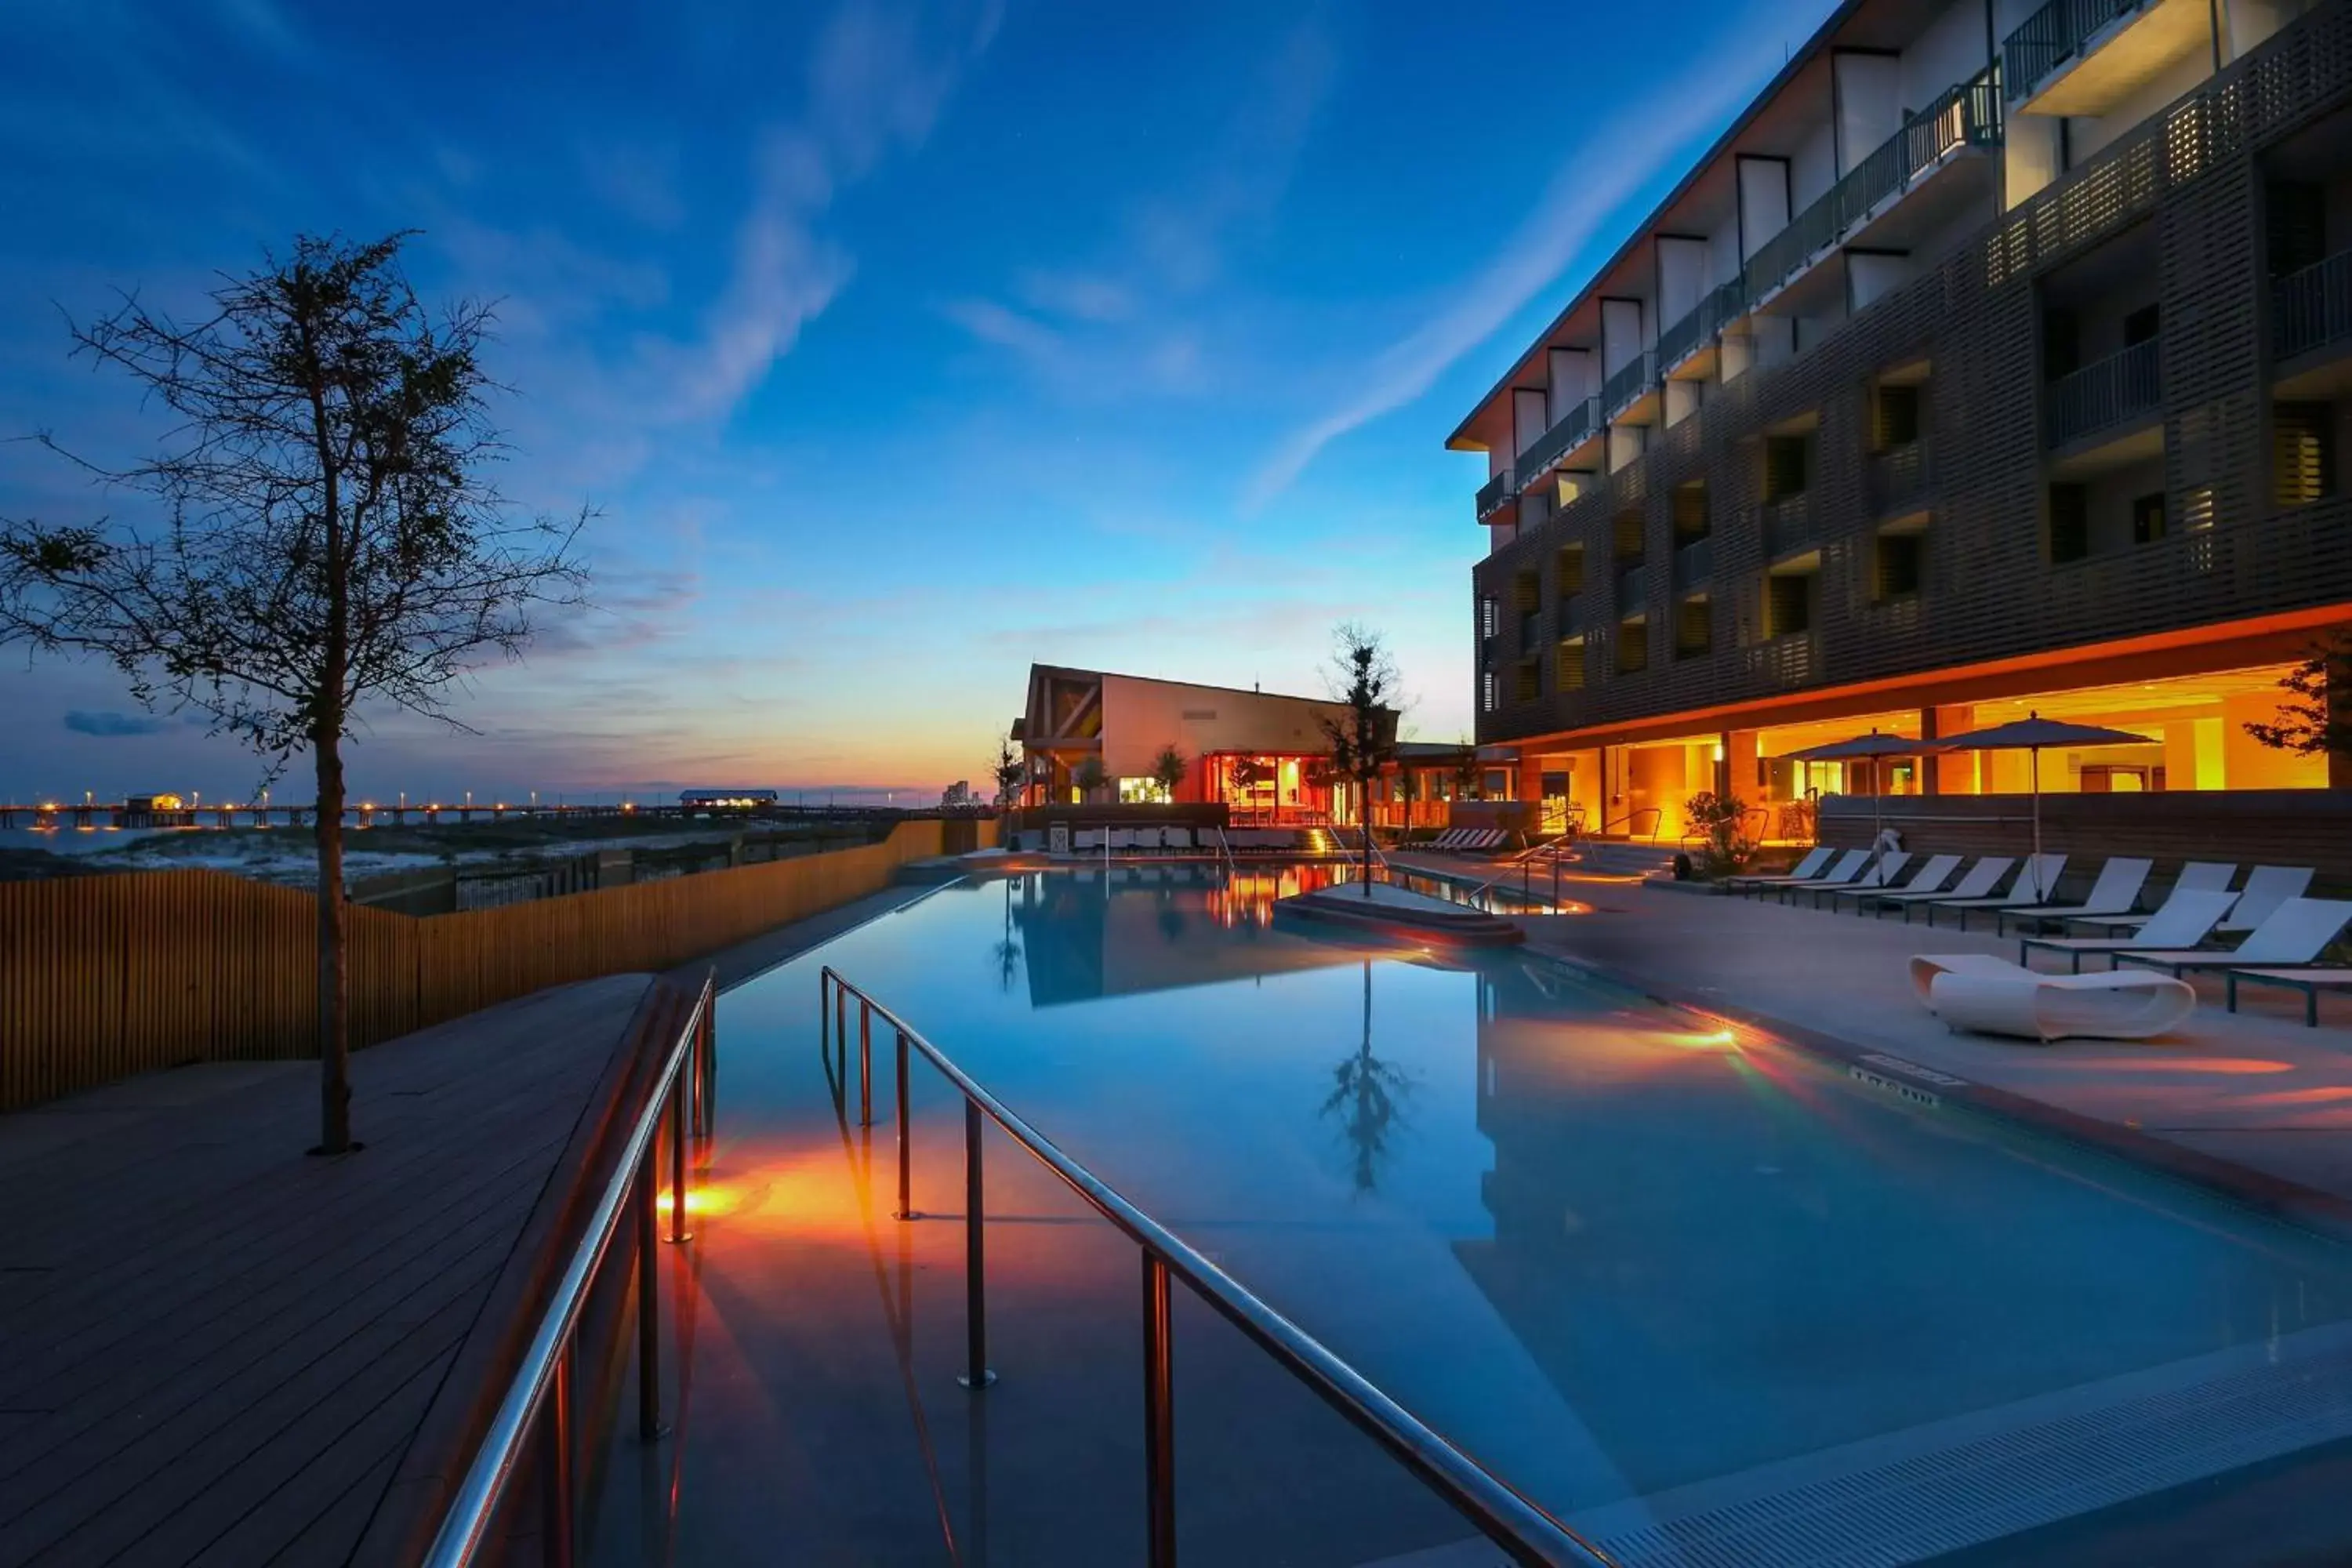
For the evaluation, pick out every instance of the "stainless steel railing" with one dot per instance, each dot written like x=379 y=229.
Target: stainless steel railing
x=540 y=1397
x=1520 y=1526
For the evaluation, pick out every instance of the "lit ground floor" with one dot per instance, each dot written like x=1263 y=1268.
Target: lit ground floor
x=2192 y=702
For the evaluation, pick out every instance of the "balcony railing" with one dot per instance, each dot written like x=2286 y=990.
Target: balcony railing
x=1710 y=316
x=1530 y=630
x=2052 y=36
x=1633 y=587
x=1629 y=381
x=2106 y=392
x=1898 y=476
x=1788 y=523
x=1694 y=562
x=1567 y=433
x=1966 y=115
x=1494 y=493
x=2313 y=306
x=1574 y=612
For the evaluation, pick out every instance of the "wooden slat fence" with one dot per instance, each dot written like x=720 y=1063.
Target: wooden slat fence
x=102 y=977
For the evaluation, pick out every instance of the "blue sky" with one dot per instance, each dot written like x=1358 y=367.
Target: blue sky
x=897 y=344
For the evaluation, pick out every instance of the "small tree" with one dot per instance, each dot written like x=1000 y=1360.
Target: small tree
x=1723 y=820
x=1363 y=739
x=326 y=537
x=1168 y=770
x=2312 y=725
x=1469 y=782
x=1089 y=776
x=1009 y=771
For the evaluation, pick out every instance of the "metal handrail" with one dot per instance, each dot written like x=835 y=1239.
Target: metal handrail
x=1226 y=847
x=1513 y=1521
x=542 y=1383
x=1657 y=820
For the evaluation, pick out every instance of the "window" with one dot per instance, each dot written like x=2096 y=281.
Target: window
x=1894 y=417
x=1528 y=680
x=2303 y=456
x=1143 y=792
x=1788 y=603
x=1486 y=691
x=1527 y=591
x=1490 y=615
x=1901 y=563
x=2294 y=218
x=1693 y=628
x=2140 y=325
x=2147 y=518
x=1567 y=665
x=2070 y=523
x=1691 y=519
x=1633 y=646
x=1628 y=537
x=1788 y=466
x=1568 y=570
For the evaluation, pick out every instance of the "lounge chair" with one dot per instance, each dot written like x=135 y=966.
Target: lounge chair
x=2197 y=876
x=1882 y=873
x=1982 y=878
x=2310 y=981
x=2297 y=932
x=1122 y=840
x=1978 y=992
x=2114 y=892
x=1928 y=879
x=2034 y=879
x=1086 y=839
x=1177 y=837
x=1804 y=869
x=2185 y=921
x=2267 y=887
x=1849 y=865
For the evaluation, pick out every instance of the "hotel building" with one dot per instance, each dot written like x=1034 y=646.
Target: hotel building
x=1997 y=359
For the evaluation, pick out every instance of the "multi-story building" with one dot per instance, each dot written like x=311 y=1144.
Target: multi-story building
x=1998 y=358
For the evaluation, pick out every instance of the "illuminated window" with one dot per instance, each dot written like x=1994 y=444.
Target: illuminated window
x=1142 y=792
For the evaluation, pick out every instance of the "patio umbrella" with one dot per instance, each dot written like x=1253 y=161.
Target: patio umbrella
x=1874 y=746
x=2031 y=733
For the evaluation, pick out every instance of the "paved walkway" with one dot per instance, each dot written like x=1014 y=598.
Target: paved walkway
x=217 y=1348
x=2256 y=1089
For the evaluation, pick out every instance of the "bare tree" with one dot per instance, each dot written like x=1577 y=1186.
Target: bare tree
x=323 y=536
x=1363 y=676
x=1008 y=770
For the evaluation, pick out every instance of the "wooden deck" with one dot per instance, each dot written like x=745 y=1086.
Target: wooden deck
x=214 y=1349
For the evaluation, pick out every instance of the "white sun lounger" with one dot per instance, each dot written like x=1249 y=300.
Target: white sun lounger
x=1882 y=873
x=2267 y=887
x=2116 y=890
x=1982 y=878
x=2310 y=981
x=1177 y=837
x=1842 y=870
x=1984 y=994
x=2185 y=921
x=2034 y=879
x=1804 y=870
x=2297 y=932
x=1928 y=879
x=2195 y=877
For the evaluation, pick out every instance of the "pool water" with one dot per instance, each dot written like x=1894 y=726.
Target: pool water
x=1652 y=1274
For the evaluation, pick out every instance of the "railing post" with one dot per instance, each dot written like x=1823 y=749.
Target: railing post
x=905 y=1139
x=976 y=1375
x=841 y=1033
x=711 y=1068
x=555 y=1462
x=649 y=1422
x=864 y=1062
x=677 y=1231
x=1159 y=1414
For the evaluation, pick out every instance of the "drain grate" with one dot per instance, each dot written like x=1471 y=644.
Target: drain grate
x=2036 y=1473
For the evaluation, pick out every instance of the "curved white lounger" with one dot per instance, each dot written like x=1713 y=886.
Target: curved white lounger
x=1991 y=995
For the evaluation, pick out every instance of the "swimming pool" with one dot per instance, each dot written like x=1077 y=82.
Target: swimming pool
x=1676 y=1286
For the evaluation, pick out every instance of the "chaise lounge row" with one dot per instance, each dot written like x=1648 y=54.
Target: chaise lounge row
x=1465 y=840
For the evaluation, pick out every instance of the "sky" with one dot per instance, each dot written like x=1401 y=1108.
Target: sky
x=894 y=345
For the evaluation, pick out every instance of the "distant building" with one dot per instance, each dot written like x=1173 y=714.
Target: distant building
x=1264 y=754
x=958 y=796
x=727 y=799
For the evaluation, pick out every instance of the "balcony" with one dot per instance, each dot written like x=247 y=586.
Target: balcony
x=1572 y=430
x=1788 y=524
x=1494 y=493
x=1575 y=613
x=1964 y=116
x=2085 y=56
x=1633 y=588
x=1630 y=382
x=1899 y=476
x=1530 y=630
x=1680 y=343
x=2119 y=389
x=2312 y=307
x=1695 y=563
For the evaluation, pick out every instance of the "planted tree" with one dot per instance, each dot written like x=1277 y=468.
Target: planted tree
x=1469 y=782
x=1722 y=822
x=1008 y=770
x=1168 y=770
x=2318 y=720
x=324 y=536
x=1089 y=776
x=1363 y=738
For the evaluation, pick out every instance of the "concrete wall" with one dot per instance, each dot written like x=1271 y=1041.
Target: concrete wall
x=1870 y=102
x=1948 y=50
x=1142 y=716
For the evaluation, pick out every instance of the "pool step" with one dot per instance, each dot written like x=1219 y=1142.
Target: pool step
x=1625 y=857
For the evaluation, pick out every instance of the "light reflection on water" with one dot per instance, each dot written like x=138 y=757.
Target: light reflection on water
x=1606 y=1247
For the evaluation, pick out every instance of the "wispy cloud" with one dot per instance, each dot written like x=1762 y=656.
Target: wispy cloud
x=109 y=725
x=1609 y=165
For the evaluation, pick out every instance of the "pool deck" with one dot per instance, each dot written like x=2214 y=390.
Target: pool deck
x=2256 y=1090
x=220 y=1349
